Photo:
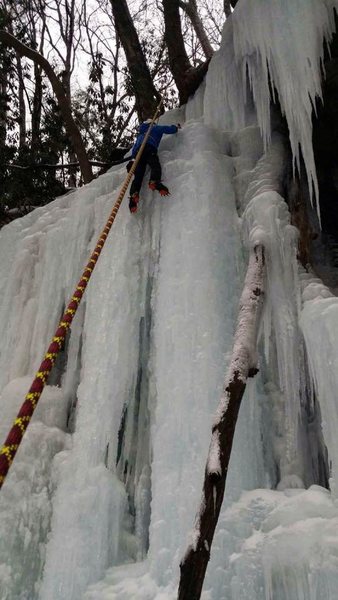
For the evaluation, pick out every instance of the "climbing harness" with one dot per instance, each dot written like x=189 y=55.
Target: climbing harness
x=25 y=414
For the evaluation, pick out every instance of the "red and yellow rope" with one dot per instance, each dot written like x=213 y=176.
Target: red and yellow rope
x=13 y=440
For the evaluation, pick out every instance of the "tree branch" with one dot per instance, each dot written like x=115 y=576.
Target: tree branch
x=190 y=8
x=187 y=77
x=47 y=166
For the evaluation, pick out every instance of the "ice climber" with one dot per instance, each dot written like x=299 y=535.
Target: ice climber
x=149 y=157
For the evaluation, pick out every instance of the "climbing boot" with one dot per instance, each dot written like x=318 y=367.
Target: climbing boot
x=157 y=185
x=133 y=202
x=163 y=189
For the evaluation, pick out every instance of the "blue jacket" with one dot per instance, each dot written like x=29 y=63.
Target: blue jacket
x=155 y=135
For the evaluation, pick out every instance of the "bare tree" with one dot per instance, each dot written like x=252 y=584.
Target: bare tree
x=213 y=16
x=61 y=22
x=4 y=75
x=187 y=77
x=37 y=37
x=25 y=16
x=22 y=105
x=146 y=96
x=62 y=98
x=36 y=108
x=190 y=8
x=106 y=91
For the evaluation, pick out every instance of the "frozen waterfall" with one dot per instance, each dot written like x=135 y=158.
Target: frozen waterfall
x=101 y=498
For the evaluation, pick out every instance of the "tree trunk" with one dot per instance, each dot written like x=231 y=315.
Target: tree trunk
x=3 y=107
x=242 y=366
x=178 y=58
x=63 y=103
x=66 y=77
x=227 y=8
x=22 y=105
x=146 y=96
x=186 y=77
x=190 y=8
x=36 y=110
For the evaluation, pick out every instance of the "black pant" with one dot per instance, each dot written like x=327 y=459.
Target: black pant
x=149 y=157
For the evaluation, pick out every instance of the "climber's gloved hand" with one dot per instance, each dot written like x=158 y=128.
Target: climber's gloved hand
x=129 y=165
x=178 y=126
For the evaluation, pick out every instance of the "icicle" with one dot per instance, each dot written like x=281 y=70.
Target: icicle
x=278 y=44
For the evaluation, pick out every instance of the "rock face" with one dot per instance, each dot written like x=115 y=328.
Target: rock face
x=318 y=242
x=325 y=142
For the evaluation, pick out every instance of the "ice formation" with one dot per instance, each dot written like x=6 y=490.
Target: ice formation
x=279 y=45
x=101 y=499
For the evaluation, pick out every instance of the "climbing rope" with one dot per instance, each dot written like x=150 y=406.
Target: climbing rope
x=25 y=414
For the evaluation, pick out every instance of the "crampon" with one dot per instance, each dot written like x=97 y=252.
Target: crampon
x=159 y=187
x=133 y=202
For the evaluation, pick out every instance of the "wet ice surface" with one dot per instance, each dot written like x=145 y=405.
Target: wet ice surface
x=101 y=500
